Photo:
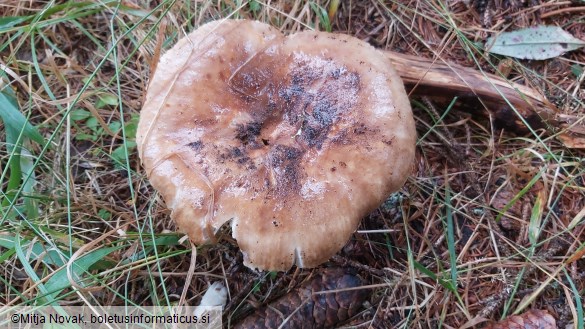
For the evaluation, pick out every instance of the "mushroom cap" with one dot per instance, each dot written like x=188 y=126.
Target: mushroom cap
x=292 y=140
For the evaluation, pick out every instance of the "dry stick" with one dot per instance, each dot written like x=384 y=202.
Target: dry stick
x=477 y=91
x=562 y=11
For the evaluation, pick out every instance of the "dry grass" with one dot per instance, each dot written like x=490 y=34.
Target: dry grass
x=489 y=224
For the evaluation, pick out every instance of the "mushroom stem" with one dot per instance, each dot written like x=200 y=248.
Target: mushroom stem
x=478 y=90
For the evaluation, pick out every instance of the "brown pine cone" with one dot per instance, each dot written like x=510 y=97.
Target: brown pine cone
x=305 y=307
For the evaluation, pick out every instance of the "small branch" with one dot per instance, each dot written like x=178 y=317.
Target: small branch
x=477 y=91
x=562 y=11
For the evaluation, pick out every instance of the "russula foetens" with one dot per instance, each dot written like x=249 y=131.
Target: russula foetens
x=289 y=139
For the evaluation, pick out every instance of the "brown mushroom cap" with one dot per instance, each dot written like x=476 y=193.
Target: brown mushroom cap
x=290 y=139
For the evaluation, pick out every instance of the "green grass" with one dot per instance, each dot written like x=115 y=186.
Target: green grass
x=50 y=220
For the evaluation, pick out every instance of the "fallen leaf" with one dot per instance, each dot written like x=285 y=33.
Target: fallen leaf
x=537 y=42
x=530 y=319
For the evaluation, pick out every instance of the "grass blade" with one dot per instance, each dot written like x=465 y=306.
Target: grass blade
x=59 y=281
x=14 y=119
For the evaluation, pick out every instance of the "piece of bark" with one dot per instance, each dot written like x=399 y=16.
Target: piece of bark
x=477 y=91
x=311 y=305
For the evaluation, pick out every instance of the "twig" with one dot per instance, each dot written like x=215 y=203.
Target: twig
x=562 y=11
x=514 y=106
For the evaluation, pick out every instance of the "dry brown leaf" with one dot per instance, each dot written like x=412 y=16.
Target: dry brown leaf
x=537 y=319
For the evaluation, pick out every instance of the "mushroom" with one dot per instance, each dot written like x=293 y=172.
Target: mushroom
x=289 y=139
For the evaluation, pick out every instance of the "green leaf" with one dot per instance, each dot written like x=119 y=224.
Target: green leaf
x=577 y=70
x=537 y=42
x=13 y=145
x=164 y=240
x=92 y=123
x=8 y=22
x=131 y=127
x=6 y=255
x=17 y=129
x=12 y=117
x=80 y=114
x=28 y=174
x=115 y=126
x=104 y=214
x=445 y=283
x=322 y=14
x=32 y=274
x=38 y=250
x=578 y=300
x=119 y=154
x=85 y=137
x=450 y=235
x=60 y=281
x=106 y=99
x=254 y=6
x=534 y=227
